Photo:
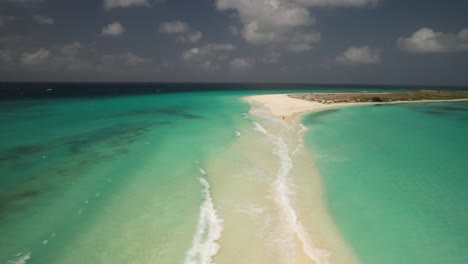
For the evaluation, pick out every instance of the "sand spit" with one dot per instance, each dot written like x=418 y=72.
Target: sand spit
x=289 y=107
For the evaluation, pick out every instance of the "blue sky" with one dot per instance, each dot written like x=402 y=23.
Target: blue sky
x=305 y=41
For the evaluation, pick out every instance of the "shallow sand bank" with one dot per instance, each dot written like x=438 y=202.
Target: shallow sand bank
x=281 y=216
x=290 y=109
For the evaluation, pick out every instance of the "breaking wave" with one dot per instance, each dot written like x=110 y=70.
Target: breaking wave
x=21 y=258
x=209 y=229
x=283 y=197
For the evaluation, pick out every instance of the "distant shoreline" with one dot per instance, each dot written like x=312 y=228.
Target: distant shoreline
x=290 y=107
x=31 y=90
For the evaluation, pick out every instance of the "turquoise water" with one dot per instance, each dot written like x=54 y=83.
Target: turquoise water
x=109 y=180
x=174 y=178
x=396 y=179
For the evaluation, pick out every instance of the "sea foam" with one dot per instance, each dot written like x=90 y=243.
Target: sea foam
x=202 y=171
x=209 y=229
x=246 y=116
x=21 y=258
x=259 y=128
x=283 y=197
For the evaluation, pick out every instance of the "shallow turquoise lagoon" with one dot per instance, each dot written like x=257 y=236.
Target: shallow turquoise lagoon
x=396 y=179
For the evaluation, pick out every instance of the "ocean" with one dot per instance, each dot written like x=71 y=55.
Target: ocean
x=396 y=179
x=203 y=177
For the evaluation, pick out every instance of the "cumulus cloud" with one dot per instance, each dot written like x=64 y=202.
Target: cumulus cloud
x=173 y=27
x=36 y=57
x=182 y=30
x=76 y=56
x=266 y=22
x=208 y=57
x=68 y=57
x=427 y=40
x=109 y=4
x=207 y=51
x=115 y=29
x=44 y=20
x=191 y=37
x=360 y=55
x=281 y=22
x=241 y=64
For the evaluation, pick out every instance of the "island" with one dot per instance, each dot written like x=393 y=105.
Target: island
x=422 y=95
x=289 y=107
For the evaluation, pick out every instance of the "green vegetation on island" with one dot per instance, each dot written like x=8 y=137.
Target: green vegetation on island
x=330 y=98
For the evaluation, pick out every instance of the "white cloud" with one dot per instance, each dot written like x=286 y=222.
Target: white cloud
x=126 y=58
x=208 y=57
x=115 y=29
x=35 y=58
x=182 y=30
x=360 y=55
x=302 y=41
x=77 y=56
x=192 y=37
x=61 y=57
x=241 y=64
x=426 y=40
x=208 y=50
x=133 y=59
x=270 y=21
x=281 y=22
x=44 y=20
x=109 y=4
x=173 y=27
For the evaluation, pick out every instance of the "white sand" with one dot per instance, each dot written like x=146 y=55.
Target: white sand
x=315 y=235
x=289 y=109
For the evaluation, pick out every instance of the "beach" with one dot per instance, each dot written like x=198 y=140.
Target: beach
x=285 y=107
x=307 y=232
x=313 y=219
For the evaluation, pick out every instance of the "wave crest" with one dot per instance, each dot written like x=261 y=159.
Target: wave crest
x=209 y=229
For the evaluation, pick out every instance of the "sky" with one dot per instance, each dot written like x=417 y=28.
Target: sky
x=396 y=42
